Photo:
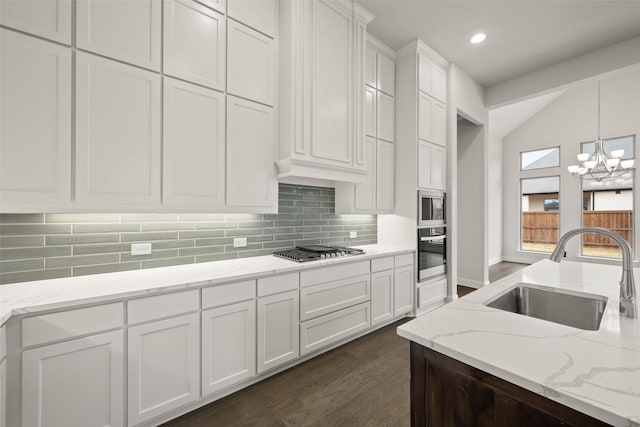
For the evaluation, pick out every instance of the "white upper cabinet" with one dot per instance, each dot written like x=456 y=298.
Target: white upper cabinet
x=219 y=5
x=117 y=133
x=365 y=194
x=193 y=145
x=386 y=74
x=321 y=93
x=194 y=43
x=124 y=30
x=251 y=179
x=431 y=166
x=371 y=66
x=432 y=78
x=370 y=119
x=251 y=64
x=385 y=117
x=261 y=15
x=385 y=176
x=439 y=124
x=50 y=19
x=432 y=120
x=35 y=121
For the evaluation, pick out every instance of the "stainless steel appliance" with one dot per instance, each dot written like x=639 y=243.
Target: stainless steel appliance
x=316 y=252
x=432 y=252
x=431 y=208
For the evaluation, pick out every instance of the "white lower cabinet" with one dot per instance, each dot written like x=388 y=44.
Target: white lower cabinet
x=164 y=367
x=331 y=328
x=75 y=383
x=382 y=308
x=432 y=292
x=278 y=339
x=403 y=289
x=331 y=296
x=228 y=345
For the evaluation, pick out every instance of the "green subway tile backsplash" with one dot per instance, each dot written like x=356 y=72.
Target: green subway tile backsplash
x=47 y=246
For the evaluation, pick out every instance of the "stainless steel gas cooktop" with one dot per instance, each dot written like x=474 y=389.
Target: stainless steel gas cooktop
x=316 y=252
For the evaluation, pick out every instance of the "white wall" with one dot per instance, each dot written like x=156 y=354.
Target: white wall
x=566 y=122
x=494 y=199
x=466 y=98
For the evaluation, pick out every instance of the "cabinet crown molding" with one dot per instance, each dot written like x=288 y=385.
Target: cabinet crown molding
x=362 y=14
x=421 y=47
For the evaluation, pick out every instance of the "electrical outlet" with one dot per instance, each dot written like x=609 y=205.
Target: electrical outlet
x=240 y=242
x=353 y=234
x=140 y=249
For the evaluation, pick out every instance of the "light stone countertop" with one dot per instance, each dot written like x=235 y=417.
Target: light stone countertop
x=31 y=297
x=594 y=372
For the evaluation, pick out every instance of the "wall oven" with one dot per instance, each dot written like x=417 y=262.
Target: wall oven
x=431 y=208
x=432 y=252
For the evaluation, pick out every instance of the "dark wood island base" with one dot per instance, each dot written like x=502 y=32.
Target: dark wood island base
x=447 y=392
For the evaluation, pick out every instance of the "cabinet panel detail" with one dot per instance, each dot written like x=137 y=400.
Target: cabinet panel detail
x=385 y=176
x=381 y=296
x=329 y=297
x=386 y=119
x=365 y=194
x=48 y=19
x=404 y=285
x=259 y=14
x=278 y=339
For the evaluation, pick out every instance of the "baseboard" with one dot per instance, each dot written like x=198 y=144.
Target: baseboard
x=471 y=283
x=495 y=260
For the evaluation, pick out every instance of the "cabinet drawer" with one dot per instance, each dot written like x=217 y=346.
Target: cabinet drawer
x=216 y=296
x=326 y=330
x=329 y=297
x=329 y=274
x=277 y=284
x=432 y=293
x=67 y=324
x=380 y=264
x=404 y=259
x=167 y=305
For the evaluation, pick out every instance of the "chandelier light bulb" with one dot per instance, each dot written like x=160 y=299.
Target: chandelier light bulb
x=590 y=164
x=582 y=157
x=627 y=163
x=573 y=168
x=616 y=154
x=612 y=163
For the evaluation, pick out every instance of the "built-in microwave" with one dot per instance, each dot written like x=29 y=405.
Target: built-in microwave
x=431 y=208
x=432 y=252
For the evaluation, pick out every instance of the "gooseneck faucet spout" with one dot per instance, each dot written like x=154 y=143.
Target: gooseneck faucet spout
x=628 y=294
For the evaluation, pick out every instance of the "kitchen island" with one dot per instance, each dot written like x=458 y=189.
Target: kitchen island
x=497 y=366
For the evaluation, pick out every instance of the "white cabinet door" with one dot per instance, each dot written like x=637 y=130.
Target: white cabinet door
x=75 y=383
x=439 y=124
x=278 y=336
x=164 y=366
x=35 y=120
x=371 y=66
x=261 y=15
x=403 y=290
x=125 y=30
x=438 y=168
x=439 y=83
x=432 y=293
x=425 y=117
x=251 y=62
x=386 y=74
x=385 y=176
x=117 y=133
x=193 y=145
x=50 y=19
x=219 y=5
x=425 y=155
x=386 y=118
x=425 y=74
x=251 y=177
x=382 y=308
x=194 y=43
x=370 y=119
x=365 y=194
x=228 y=345
x=331 y=132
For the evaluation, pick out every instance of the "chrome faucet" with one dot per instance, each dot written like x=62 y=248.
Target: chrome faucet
x=628 y=294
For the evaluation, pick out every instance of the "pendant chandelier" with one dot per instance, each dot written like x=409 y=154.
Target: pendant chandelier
x=599 y=165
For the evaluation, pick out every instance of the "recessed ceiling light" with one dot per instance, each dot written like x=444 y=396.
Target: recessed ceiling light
x=478 y=38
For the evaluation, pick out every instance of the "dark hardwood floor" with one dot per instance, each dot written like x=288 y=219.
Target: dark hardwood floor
x=362 y=383
x=496 y=272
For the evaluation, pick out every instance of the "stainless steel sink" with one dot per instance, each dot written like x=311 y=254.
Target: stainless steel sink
x=582 y=311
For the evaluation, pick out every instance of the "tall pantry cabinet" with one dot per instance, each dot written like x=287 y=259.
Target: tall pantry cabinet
x=143 y=107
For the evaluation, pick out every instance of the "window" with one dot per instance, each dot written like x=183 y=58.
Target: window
x=608 y=203
x=539 y=213
x=540 y=159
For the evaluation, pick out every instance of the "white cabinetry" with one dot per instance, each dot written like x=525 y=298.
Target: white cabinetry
x=48 y=19
x=321 y=96
x=432 y=162
x=251 y=177
x=74 y=383
x=194 y=43
x=381 y=296
x=404 y=283
x=35 y=122
x=331 y=328
x=193 y=145
x=261 y=15
x=117 y=133
x=228 y=345
x=377 y=193
x=278 y=340
x=432 y=293
x=431 y=120
x=432 y=78
x=125 y=30
x=164 y=360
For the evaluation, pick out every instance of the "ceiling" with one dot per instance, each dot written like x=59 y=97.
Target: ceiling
x=522 y=36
